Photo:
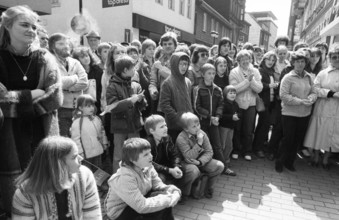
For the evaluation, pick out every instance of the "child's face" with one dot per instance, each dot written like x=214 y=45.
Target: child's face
x=282 y=54
x=209 y=76
x=85 y=60
x=104 y=54
x=183 y=66
x=144 y=160
x=149 y=52
x=224 y=49
x=134 y=55
x=231 y=95
x=193 y=128
x=221 y=68
x=129 y=72
x=118 y=52
x=160 y=130
x=87 y=110
x=314 y=58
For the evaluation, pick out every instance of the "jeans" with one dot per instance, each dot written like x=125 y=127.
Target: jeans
x=243 y=132
x=277 y=133
x=191 y=172
x=294 y=130
x=212 y=132
x=65 y=116
x=119 y=139
x=262 y=129
x=226 y=137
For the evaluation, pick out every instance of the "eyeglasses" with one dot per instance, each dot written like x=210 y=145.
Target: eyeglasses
x=335 y=57
x=203 y=54
x=44 y=38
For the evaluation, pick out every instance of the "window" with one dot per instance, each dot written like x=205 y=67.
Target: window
x=159 y=1
x=212 y=24
x=204 y=23
x=223 y=32
x=182 y=7
x=189 y=8
x=217 y=27
x=171 y=4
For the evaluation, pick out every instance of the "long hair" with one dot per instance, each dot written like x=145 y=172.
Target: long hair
x=47 y=171
x=268 y=55
x=9 y=16
x=197 y=50
x=318 y=66
x=110 y=68
x=81 y=51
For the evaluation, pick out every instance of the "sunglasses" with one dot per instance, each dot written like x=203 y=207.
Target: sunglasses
x=203 y=55
x=335 y=57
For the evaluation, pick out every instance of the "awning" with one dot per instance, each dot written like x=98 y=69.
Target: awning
x=331 y=29
x=39 y=6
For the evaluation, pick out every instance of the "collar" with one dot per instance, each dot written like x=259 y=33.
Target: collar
x=295 y=74
x=331 y=68
x=61 y=60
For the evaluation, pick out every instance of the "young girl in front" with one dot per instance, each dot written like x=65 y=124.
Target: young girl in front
x=88 y=132
x=221 y=78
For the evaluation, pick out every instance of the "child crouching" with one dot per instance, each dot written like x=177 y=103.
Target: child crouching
x=135 y=190
x=197 y=152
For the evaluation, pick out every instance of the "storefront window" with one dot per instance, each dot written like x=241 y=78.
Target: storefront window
x=189 y=8
x=171 y=4
x=204 y=23
x=182 y=7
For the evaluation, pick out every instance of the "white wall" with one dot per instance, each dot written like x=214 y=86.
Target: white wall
x=161 y=13
x=254 y=30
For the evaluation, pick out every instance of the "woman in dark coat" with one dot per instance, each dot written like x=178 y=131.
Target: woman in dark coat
x=30 y=95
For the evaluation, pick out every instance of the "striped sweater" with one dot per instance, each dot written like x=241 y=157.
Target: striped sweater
x=84 y=198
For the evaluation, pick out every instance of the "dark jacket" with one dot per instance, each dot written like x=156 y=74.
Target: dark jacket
x=175 y=94
x=207 y=103
x=265 y=79
x=96 y=73
x=144 y=79
x=223 y=81
x=165 y=154
x=230 y=108
x=126 y=116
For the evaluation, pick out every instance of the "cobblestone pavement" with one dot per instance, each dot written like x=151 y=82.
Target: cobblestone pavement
x=258 y=192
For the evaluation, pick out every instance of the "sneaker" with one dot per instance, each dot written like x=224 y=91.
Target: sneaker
x=278 y=166
x=209 y=194
x=306 y=153
x=248 y=157
x=235 y=156
x=229 y=172
x=260 y=154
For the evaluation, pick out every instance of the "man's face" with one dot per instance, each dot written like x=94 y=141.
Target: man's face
x=62 y=48
x=43 y=38
x=93 y=43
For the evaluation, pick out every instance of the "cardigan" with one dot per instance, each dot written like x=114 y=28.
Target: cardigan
x=84 y=198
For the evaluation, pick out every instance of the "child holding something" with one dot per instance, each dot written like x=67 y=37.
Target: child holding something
x=227 y=124
x=136 y=191
x=88 y=132
x=125 y=100
x=197 y=152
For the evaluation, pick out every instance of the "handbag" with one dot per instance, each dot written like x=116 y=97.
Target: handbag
x=91 y=89
x=259 y=104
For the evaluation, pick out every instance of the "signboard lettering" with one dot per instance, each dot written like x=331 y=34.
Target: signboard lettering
x=114 y=3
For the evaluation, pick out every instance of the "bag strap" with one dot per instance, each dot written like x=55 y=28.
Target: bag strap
x=82 y=145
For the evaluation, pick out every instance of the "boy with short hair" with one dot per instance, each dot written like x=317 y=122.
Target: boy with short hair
x=197 y=152
x=208 y=104
x=135 y=190
x=125 y=99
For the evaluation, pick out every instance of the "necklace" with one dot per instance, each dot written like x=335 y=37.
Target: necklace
x=23 y=73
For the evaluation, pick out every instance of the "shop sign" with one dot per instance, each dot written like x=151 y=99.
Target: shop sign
x=114 y=3
x=172 y=29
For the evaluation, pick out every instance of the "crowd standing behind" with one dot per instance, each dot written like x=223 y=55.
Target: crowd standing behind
x=101 y=95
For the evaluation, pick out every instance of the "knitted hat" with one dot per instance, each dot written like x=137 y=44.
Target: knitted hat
x=228 y=89
x=93 y=34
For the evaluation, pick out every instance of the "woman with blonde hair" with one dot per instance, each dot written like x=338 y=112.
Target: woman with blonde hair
x=55 y=185
x=30 y=95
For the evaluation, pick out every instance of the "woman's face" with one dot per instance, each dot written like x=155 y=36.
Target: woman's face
x=168 y=47
x=299 y=65
x=23 y=31
x=231 y=53
x=104 y=54
x=224 y=49
x=84 y=59
x=73 y=160
x=221 y=67
x=334 y=59
x=149 y=52
x=118 y=52
x=269 y=62
x=245 y=62
x=314 y=58
x=203 y=57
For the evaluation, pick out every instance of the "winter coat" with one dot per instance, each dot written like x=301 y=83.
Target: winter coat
x=175 y=95
x=129 y=187
x=22 y=113
x=265 y=94
x=207 y=104
x=89 y=135
x=126 y=116
x=230 y=108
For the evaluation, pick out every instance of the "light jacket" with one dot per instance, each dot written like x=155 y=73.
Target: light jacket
x=89 y=135
x=129 y=186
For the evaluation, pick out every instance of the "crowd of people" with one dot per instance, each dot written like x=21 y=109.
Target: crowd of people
x=169 y=118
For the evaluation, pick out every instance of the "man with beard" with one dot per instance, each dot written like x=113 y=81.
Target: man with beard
x=73 y=76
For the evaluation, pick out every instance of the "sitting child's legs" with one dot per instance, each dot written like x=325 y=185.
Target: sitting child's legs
x=190 y=173
x=213 y=169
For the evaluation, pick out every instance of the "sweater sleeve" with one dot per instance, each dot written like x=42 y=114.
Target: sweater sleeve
x=207 y=155
x=285 y=95
x=256 y=84
x=186 y=150
x=22 y=207
x=82 y=80
x=133 y=197
x=91 y=207
x=199 y=109
x=153 y=85
x=165 y=102
x=112 y=96
x=75 y=134
x=239 y=86
x=321 y=92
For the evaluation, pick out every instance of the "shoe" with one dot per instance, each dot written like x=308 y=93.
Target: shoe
x=209 y=194
x=248 y=157
x=326 y=166
x=229 y=172
x=270 y=157
x=235 y=156
x=260 y=154
x=290 y=168
x=183 y=200
x=306 y=153
x=278 y=166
